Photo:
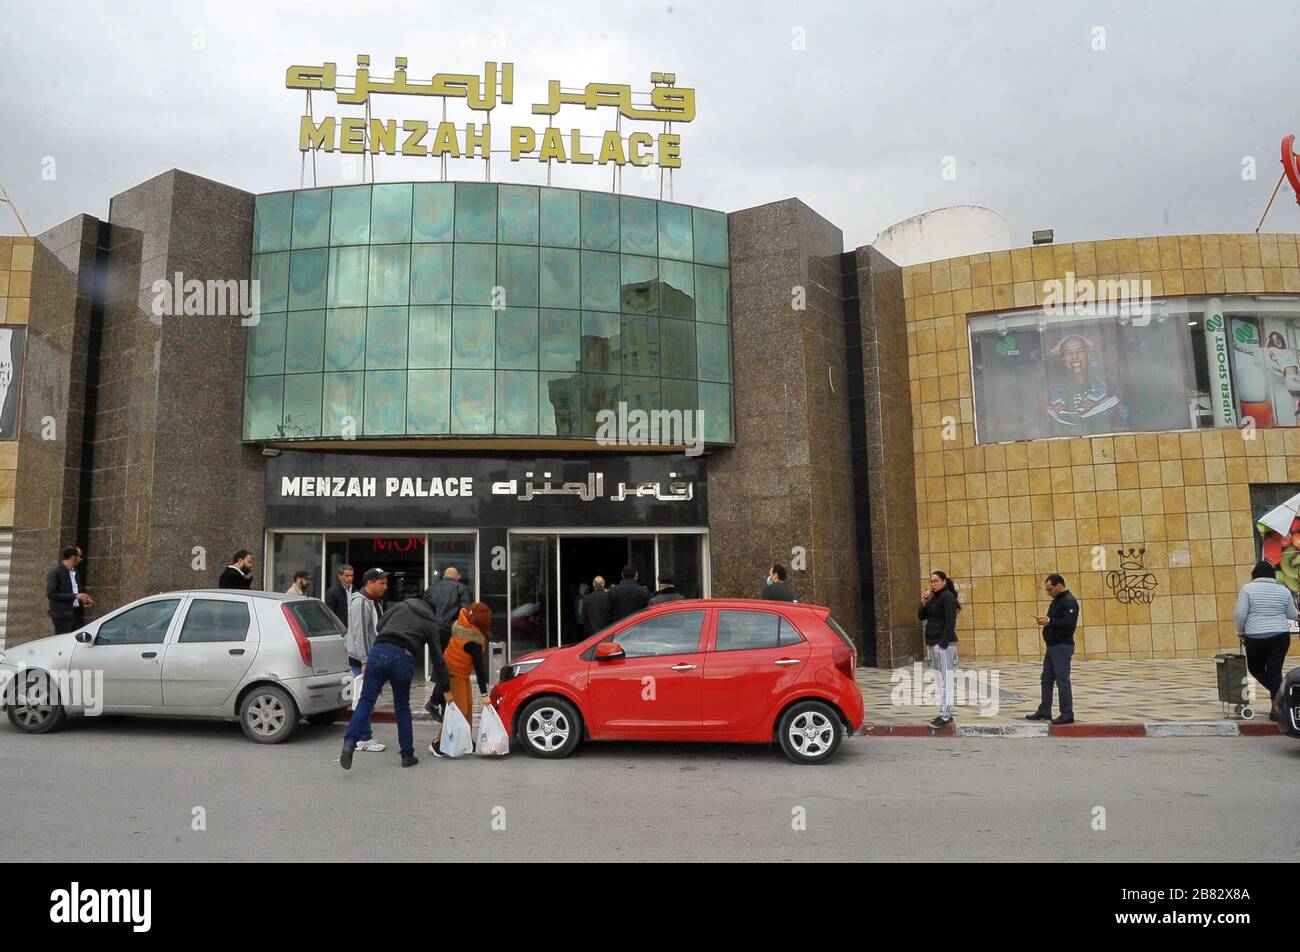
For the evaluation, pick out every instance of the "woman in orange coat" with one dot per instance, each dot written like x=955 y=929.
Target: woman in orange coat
x=466 y=654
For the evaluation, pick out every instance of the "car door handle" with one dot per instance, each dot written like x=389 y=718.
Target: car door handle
x=683 y=667
x=787 y=661
x=236 y=651
x=148 y=654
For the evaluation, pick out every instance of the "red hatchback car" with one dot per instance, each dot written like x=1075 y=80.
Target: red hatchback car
x=739 y=670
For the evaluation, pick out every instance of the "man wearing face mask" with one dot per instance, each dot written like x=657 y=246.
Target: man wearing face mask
x=777 y=589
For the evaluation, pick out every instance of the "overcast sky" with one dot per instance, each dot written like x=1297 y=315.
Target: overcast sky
x=851 y=107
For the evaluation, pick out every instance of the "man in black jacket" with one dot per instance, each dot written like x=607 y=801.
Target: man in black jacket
x=597 y=607
x=627 y=597
x=447 y=597
x=239 y=573
x=337 y=595
x=67 y=601
x=776 y=589
x=1058 y=633
x=404 y=632
x=666 y=592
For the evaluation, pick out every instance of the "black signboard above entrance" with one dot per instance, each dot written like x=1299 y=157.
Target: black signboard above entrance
x=315 y=490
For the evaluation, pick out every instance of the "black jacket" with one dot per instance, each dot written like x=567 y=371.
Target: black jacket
x=940 y=617
x=446 y=597
x=1062 y=619
x=411 y=625
x=627 y=598
x=666 y=594
x=58 y=592
x=336 y=600
x=779 y=592
x=597 y=610
x=233 y=578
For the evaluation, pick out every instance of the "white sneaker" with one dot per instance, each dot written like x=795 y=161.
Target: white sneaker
x=371 y=745
x=433 y=749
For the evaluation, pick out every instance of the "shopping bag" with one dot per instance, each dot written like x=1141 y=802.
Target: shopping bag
x=357 y=682
x=493 y=741
x=456 y=737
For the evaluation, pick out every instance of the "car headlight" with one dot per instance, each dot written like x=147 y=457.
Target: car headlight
x=518 y=668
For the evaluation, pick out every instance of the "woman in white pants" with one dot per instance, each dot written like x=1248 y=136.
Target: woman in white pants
x=939 y=608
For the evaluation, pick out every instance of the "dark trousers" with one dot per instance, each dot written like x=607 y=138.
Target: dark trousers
x=1264 y=657
x=387 y=663
x=66 y=624
x=1056 y=670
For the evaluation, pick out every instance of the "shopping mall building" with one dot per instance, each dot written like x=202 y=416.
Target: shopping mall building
x=428 y=379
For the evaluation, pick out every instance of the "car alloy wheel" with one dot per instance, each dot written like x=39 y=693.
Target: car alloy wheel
x=811 y=734
x=268 y=715
x=35 y=709
x=548 y=729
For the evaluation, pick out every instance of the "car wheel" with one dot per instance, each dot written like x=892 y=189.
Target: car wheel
x=268 y=714
x=35 y=708
x=549 y=727
x=810 y=732
x=324 y=719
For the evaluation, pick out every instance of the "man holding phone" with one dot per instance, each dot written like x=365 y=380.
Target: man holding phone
x=1058 y=633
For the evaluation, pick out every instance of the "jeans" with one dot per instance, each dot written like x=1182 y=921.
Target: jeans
x=1264 y=658
x=944 y=661
x=387 y=663
x=356 y=673
x=1056 y=670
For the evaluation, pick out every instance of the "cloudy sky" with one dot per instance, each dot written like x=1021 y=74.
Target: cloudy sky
x=1097 y=119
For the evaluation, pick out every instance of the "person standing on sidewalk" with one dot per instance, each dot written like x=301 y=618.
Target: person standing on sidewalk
x=337 y=595
x=447 y=597
x=466 y=654
x=1058 y=633
x=67 y=600
x=939 y=608
x=1264 y=608
x=363 y=629
x=239 y=573
x=776 y=589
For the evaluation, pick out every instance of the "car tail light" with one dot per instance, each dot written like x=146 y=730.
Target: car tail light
x=300 y=636
x=845 y=659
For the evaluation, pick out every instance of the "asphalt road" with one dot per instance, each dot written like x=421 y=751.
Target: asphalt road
x=120 y=789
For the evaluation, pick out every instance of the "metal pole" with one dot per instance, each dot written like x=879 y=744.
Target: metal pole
x=14 y=208
x=1270 y=203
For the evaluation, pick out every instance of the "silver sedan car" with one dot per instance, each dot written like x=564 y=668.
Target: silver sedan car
x=263 y=659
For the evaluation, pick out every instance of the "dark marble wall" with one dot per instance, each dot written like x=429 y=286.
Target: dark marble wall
x=48 y=483
x=788 y=481
x=890 y=476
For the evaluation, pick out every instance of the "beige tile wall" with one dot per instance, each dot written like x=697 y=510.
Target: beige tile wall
x=15 y=299
x=999 y=517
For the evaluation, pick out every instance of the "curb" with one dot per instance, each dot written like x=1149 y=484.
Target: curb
x=1165 y=729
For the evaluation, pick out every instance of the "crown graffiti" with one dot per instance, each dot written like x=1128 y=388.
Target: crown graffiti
x=1132 y=558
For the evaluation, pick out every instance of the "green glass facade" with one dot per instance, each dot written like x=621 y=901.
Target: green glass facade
x=464 y=309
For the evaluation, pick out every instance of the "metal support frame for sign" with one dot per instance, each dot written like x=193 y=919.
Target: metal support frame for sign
x=6 y=200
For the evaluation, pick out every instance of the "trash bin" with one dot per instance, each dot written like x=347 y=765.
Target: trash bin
x=1234 y=685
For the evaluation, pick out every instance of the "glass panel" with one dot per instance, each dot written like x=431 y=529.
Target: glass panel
x=640 y=285
x=639 y=231
x=640 y=345
x=599 y=392
x=428 y=401
x=345 y=339
x=674 y=633
x=517 y=217
x=146 y=624
x=293 y=552
x=600 y=343
x=304 y=348
x=476 y=212
x=350 y=215
x=272 y=273
x=532 y=583
x=272 y=221
x=517 y=275
x=642 y=393
x=516 y=402
x=517 y=340
x=302 y=395
x=559 y=284
x=710 y=237
x=559 y=218
x=307 y=279
x=263 y=402
x=675 y=232
x=217 y=620
x=560 y=340
x=311 y=218
x=390 y=274
x=429 y=340
x=390 y=214
x=742 y=631
x=711 y=294
x=600 y=279
x=559 y=397
x=385 y=339
x=471 y=401
x=385 y=402
x=473 y=336
x=266 y=346
x=680 y=559
x=453 y=552
x=681 y=395
x=434 y=211
x=715 y=412
x=431 y=274
x=599 y=221
x=677 y=347
x=347 y=278
x=713 y=348
x=341 y=415
x=476 y=274
x=676 y=289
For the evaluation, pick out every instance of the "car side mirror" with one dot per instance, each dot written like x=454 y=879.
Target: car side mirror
x=609 y=651
x=85 y=637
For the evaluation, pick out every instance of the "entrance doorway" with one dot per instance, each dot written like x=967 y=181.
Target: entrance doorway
x=582 y=558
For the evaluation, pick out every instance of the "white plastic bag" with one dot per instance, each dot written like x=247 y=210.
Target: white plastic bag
x=357 y=682
x=456 y=740
x=493 y=741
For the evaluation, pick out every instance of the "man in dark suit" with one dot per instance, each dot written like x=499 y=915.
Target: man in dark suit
x=597 y=608
x=68 y=602
x=239 y=573
x=629 y=596
x=337 y=595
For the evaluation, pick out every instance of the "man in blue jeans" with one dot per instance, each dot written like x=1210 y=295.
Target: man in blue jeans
x=1058 y=632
